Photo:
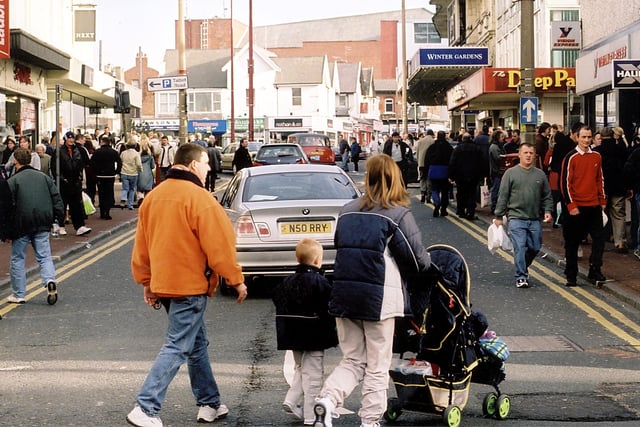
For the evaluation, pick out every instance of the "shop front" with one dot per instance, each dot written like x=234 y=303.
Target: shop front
x=491 y=97
x=608 y=79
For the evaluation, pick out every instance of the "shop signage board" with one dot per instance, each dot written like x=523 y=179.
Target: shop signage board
x=4 y=30
x=626 y=74
x=454 y=56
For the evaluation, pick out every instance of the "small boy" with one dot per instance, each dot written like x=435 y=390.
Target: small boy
x=304 y=326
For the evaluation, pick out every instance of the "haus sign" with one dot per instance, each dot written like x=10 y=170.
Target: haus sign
x=544 y=79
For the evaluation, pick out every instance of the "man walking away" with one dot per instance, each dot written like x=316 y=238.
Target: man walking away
x=37 y=203
x=107 y=164
x=184 y=240
x=524 y=193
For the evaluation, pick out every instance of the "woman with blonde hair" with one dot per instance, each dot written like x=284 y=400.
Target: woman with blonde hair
x=618 y=136
x=378 y=245
x=145 y=176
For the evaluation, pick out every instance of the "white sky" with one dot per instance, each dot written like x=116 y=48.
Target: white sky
x=126 y=25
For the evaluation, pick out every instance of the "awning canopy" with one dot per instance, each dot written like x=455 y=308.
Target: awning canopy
x=429 y=85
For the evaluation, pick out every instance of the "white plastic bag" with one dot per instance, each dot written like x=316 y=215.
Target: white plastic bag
x=497 y=238
x=494 y=237
x=485 y=195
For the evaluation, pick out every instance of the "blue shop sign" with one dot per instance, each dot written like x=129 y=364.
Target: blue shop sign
x=454 y=56
x=206 y=125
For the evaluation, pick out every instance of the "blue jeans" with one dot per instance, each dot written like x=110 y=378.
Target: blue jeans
x=526 y=236
x=129 y=184
x=40 y=243
x=186 y=341
x=495 y=189
x=345 y=161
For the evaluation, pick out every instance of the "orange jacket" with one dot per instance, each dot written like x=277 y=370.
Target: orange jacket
x=181 y=230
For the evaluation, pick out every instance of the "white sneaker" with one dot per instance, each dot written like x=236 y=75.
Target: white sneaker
x=62 y=231
x=293 y=410
x=323 y=409
x=208 y=414
x=82 y=231
x=137 y=417
x=12 y=299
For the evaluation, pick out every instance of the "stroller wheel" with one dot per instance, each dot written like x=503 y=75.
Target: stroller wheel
x=394 y=409
x=503 y=406
x=489 y=405
x=452 y=416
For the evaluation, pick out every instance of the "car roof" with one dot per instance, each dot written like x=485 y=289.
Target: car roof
x=283 y=168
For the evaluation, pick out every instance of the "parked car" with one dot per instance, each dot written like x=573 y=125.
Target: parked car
x=316 y=146
x=273 y=207
x=229 y=151
x=276 y=154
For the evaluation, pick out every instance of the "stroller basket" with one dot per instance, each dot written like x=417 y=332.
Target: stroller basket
x=425 y=394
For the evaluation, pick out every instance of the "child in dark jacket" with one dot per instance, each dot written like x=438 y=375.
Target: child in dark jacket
x=304 y=326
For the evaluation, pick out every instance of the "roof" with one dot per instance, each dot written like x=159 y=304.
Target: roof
x=348 y=76
x=346 y=28
x=299 y=70
x=204 y=66
x=386 y=85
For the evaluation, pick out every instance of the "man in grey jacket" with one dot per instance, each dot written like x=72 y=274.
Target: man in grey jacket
x=37 y=203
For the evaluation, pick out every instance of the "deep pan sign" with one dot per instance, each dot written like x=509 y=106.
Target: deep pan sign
x=626 y=74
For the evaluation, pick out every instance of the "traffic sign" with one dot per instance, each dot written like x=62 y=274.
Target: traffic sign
x=528 y=110
x=167 y=83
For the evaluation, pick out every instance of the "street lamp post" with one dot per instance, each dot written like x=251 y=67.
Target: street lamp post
x=182 y=70
x=527 y=61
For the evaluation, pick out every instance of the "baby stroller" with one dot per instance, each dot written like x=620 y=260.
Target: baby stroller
x=448 y=356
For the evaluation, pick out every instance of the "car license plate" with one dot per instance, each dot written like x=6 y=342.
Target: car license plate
x=315 y=227
x=316 y=158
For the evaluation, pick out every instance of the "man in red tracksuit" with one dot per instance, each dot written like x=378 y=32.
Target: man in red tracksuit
x=583 y=201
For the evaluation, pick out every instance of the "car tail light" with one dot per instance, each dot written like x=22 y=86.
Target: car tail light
x=247 y=228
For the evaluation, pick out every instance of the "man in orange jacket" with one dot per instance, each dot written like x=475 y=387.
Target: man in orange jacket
x=184 y=240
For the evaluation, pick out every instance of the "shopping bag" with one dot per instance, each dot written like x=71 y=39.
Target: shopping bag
x=485 y=195
x=89 y=209
x=494 y=237
x=505 y=242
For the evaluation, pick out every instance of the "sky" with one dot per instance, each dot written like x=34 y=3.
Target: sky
x=124 y=26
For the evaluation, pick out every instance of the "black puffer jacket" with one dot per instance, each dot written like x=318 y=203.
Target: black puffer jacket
x=302 y=319
x=613 y=158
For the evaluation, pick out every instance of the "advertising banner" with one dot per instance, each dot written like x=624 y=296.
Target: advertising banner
x=626 y=74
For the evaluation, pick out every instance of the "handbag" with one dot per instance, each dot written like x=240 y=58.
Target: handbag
x=485 y=195
x=438 y=172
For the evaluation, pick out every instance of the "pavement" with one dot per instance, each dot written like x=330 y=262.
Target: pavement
x=622 y=270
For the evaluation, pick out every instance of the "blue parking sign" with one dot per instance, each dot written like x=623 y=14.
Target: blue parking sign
x=529 y=110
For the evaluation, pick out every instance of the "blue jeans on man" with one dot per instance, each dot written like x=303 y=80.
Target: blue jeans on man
x=345 y=161
x=495 y=189
x=186 y=341
x=129 y=186
x=526 y=236
x=42 y=249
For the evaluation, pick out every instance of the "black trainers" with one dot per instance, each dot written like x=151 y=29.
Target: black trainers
x=522 y=283
x=571 y=282
x=52 y=290
x=596 y=275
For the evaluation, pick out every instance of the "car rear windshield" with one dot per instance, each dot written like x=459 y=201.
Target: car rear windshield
x=310 y=140
x=298 y=186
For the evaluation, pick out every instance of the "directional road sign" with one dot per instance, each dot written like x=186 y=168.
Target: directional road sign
x=167 y=83
x=528 y=110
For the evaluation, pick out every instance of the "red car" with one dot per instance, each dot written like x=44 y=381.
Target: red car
x=316 y=146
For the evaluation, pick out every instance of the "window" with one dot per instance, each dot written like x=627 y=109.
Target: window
x=296 y=96
x=388 y=105
x=167 y=103
x=425 y=32
x=204 y=34
x=204 y=102
x=343 y=100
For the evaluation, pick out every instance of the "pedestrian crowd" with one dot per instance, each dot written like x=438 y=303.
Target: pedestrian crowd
x=576 y=181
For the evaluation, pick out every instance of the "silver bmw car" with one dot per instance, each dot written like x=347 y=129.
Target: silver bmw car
x=273 y=207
